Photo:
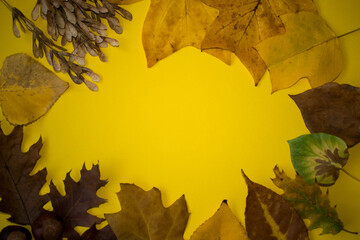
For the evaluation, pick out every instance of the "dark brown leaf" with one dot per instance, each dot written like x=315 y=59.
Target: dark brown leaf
x=332 y=108
x=103 y=234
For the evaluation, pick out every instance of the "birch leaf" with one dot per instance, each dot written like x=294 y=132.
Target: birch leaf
x=269 y=216
x=173 y=24
x=309 y=202
x=309 y=49
x=27 y=89
x=318 y=157
x=242 y=24
x=222 y=225
x=143 y=216
x=332 y=108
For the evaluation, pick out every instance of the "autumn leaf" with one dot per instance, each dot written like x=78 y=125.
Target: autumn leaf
x=309 y=49
x=222 y=225
x=269 y=216
x=318 y=157
x=332 y=108
x=19 y=192
x=242 y=24
x=94 y=234
x=143 y=215
x=173 y=24
x=123 y=2
x=27 y=89
x=309 y=202
x=79 y=198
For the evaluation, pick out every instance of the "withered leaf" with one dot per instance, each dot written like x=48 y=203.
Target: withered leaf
x=27 y=89
x=242 y=24
x=106 y=233
x=269 y=216
x=318 y=157
x=143 y=215
x=309 y=49
x=222 y=225
x=171 y=25
x=332 y=108
x=19 y=192
x=79 y=198
x=309 y=202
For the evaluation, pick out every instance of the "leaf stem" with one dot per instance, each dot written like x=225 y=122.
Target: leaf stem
x=343 y=35
x=349 y=231
x=350 y=175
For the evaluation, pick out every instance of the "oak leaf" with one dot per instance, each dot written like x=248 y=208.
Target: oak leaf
x=27 y=89
x=19 y=192
x=309 y=49
x=309 y=202
x=332 y=108
x=269 y=216
x=222 y=225
x=79 y=198
x=143 y=215
x=173 y=24
x=318 y=157
x=242 y=24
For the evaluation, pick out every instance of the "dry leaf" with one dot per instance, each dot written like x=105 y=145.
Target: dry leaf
x=222 y=225
x=103 y=234
x=27 y=89
x=242 y=24
x=269 y=216
x=143 y=216
x=173 y=24
x=19 y=192
x=332 y=108
x=309 y=49
x=79 y=198
x=123 y=2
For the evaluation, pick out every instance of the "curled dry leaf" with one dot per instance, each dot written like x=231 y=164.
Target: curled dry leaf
x=143 y=215
x=332 y=108
x=171 y=25
x=309 y=202
x=19 y=192
x=269 y=216
x=222 y=225
x=318 y=157
x=309 y=49
x=242 y=24
x=27 y=89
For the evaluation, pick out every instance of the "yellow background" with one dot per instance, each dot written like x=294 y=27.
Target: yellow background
x=186 y=126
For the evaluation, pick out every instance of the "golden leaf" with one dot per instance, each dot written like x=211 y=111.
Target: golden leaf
x=27 y=89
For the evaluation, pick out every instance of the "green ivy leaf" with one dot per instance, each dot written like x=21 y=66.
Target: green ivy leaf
x=318 y=157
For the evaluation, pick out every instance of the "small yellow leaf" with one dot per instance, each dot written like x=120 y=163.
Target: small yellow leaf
x=309 y=49
x=27 y=89
x=222 y=225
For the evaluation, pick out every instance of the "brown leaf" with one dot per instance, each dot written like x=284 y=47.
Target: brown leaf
x=79 y=198
x=27 y=89
x=172 y=25
x=269 y=216
x=103 y=234
x=332 y=108
x=222 y=225
x=143 y=216
x=19 y=192
x=123 y=2
x=242 y=24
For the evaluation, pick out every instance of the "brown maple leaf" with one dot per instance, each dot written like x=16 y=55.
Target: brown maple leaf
x=19 y=192
x=79 y=198
x=106 y=233
x=242 y=24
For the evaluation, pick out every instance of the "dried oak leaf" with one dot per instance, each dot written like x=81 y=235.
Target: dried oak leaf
x=19 y=192
x=171 y=25
x=92 y=233
x=269 y=216
x=332 y=108
x=242 y=24
x=309 y=202
x=27 y=89
x=309 y=49
x=222 y=225
x=143 y=215
x=79 y=198
x=318 y=157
